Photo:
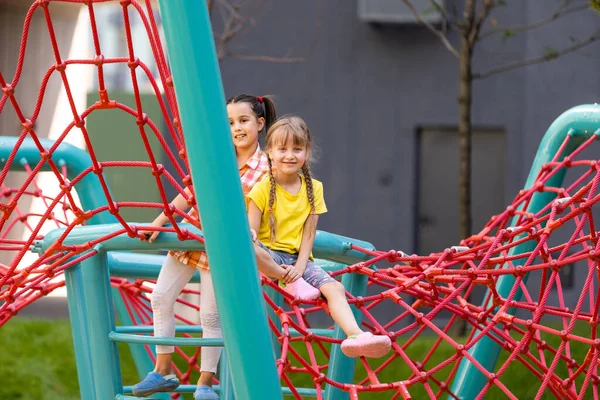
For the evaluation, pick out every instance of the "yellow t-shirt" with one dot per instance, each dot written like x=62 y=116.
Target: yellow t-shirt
x=290 y=210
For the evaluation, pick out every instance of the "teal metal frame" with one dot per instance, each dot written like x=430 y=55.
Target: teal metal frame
x=580 y=123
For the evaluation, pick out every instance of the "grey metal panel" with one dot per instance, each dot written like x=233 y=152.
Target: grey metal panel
x=438 y=184
x=395 y=11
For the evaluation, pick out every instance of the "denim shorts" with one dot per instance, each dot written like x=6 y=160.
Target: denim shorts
x=314 y=275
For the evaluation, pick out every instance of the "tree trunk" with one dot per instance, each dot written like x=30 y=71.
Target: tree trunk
x=464 y=136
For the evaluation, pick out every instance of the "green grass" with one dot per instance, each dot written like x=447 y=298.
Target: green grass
x=37 y=362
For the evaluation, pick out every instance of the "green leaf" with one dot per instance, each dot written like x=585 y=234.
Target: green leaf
x=434 y=9
x=550 y=53
x=595 y=5
x=508 y=33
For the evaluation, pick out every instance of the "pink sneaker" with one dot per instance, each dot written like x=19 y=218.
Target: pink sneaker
x=301 y=290
x=366 y=345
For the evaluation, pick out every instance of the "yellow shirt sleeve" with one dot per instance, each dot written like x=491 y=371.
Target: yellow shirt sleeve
x=320 y=207
x=259 y=194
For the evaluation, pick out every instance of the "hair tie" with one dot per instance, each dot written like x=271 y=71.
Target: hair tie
x=260 y=99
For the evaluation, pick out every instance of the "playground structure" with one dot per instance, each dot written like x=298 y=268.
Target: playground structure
x=549 y=225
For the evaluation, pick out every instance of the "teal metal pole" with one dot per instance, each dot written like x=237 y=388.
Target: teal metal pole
x=147 y=266
x=225 y=383
x=581 y=123
x=92 y=317
x=211 y=156
x=337 y=248
x=80 y=330
x=342 y=368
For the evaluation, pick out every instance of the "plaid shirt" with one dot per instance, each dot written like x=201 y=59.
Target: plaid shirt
x=251 y=173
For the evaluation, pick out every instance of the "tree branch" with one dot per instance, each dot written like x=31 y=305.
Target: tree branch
x=268 y=58
x=474 y=34
x=517 y=28
x=435 y=31
x=536 y=60
x=234 y=29
x=439 y=8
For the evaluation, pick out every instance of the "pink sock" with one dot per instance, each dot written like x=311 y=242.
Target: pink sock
x=302 y=290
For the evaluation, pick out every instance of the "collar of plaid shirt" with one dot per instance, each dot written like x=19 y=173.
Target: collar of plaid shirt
x=254 y=161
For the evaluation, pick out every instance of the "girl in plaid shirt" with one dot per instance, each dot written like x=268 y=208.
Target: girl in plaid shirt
x=248 y=116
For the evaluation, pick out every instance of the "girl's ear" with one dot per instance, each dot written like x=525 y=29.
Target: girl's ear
x=261 y=123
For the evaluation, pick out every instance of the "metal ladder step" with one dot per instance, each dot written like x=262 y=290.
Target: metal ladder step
x=304 y=392
x=165 y=341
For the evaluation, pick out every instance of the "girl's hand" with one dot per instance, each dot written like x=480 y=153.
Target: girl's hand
x=292 y=273
x=253 y=233
x=150 y=235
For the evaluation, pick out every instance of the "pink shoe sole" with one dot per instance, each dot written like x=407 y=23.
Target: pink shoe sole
x=367 y=345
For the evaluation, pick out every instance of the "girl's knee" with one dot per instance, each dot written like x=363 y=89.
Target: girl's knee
x=333 y=289
x=210 y=319
x=156 y=300
x=161 y=301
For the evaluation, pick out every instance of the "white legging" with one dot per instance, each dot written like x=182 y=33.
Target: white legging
x=173 y=277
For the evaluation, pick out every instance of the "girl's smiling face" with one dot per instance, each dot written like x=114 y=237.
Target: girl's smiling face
x=244 y=125
x=287 y=154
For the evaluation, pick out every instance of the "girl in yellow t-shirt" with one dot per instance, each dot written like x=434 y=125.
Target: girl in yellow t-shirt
x=283 y=210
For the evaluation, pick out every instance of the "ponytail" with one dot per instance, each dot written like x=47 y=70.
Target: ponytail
x=270 y=112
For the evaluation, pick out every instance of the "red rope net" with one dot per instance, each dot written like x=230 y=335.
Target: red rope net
x=550 y=347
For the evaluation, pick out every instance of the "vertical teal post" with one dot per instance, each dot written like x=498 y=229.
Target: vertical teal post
x=341 y=368
x=214 y=173
x=580 y=123
x=225 y=383
x=277 y=298
x=92 y=318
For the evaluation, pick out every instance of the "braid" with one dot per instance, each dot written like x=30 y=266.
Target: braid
x=311 y=197
x=309 y=187
x=272 y=195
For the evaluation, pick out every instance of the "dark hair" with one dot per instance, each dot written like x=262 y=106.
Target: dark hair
x=262 y=107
